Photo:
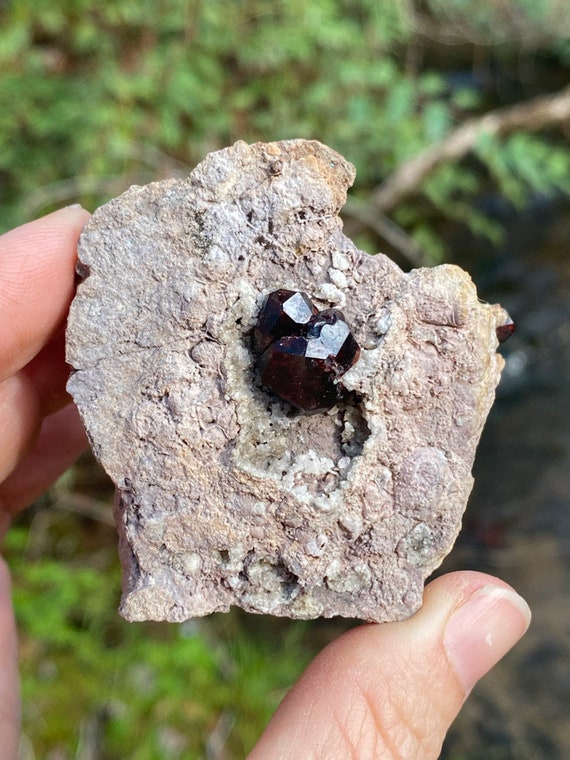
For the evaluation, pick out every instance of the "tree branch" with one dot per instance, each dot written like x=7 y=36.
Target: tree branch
x=357 y=214
x=532 y=116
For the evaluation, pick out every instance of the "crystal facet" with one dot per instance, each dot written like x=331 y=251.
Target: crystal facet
x=505 y=331
x=284 y=313
x=301 y=352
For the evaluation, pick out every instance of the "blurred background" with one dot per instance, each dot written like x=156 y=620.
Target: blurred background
x=471 y=98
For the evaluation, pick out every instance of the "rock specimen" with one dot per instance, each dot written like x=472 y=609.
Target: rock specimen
x=225 y=494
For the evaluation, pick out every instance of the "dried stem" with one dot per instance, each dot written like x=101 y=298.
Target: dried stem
x=532 y=116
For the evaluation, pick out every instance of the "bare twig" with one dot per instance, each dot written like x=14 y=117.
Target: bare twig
x=86 y=507
x=532 y=116
x=91 y=735
x=63 y=191
x=216 y=745
x=388 y=230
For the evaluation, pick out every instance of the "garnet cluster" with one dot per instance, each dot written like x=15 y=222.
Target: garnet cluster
x=301 y=352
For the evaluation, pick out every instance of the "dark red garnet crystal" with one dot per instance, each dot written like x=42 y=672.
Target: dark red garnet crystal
x=301 y=352
x=505 y=331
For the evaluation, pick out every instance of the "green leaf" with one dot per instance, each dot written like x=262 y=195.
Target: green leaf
x=437 y=121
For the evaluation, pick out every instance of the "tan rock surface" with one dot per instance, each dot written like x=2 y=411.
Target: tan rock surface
x=225 y=497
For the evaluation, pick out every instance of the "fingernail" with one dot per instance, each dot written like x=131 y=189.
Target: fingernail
x=482 y=630
x=72 y=206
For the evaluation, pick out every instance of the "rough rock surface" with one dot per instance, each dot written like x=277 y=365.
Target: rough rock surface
x=224 y=496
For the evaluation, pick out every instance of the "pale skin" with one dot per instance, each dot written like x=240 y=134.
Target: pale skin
x=379 y=691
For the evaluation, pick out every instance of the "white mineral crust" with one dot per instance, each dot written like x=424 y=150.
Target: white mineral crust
x=224 y=496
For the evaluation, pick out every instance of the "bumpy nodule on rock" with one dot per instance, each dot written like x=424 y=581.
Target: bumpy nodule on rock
x=223 y=496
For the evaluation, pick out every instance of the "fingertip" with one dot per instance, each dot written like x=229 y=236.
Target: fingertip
x=483 y=618
x=37 y=280
x=482 y=629
x=68 y=218
x=74 y=212
x=53 y=236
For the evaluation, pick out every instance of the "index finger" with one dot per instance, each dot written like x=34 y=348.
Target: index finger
x=37 y=270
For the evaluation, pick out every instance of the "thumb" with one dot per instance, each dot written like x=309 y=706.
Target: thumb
x=392 y=690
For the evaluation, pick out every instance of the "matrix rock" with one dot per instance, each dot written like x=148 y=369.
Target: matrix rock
x=227 y=495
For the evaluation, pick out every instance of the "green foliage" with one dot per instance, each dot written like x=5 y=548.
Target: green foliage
x=84 y=85
x=523 y=165
x=153 y=691
x=97 y=96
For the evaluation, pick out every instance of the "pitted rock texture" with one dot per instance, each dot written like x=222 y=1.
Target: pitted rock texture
x=224 y=495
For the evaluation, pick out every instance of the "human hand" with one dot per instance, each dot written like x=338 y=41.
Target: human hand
x=40 y=432
x=387 y=691
x=379 y=691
